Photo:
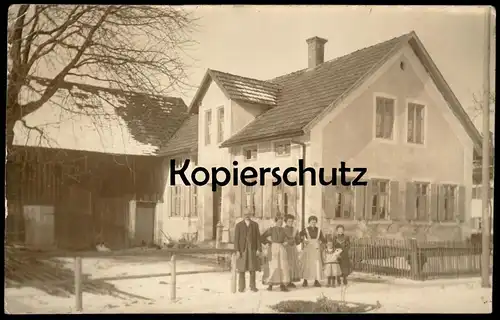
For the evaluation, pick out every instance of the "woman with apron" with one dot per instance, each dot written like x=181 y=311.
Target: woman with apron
x=311 y=262
x=279 y=274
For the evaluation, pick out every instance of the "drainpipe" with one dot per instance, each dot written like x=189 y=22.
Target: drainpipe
x=303 y=219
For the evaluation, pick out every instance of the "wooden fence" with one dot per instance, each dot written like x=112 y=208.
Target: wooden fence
x=415 y=260
x=80 y=280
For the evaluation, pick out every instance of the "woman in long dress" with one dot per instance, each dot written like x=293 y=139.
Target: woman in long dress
x=279 y=273
x=311 y=264
x=293 y=239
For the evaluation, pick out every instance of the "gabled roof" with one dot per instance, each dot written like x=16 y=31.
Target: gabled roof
x=103 y=119
x=304 y=95
x=184 y=140
x=237 y=88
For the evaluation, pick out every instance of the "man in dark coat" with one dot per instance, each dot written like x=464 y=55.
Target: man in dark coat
x=247 y=245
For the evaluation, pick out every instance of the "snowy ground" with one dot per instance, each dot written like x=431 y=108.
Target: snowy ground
x=210 y=293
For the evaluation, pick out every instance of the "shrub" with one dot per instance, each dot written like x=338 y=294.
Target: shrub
x=321 y=305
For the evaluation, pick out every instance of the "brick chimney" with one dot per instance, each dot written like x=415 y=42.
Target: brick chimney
x=316 y=51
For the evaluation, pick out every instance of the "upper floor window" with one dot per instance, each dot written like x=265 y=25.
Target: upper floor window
x=208 y=125
x=220 y=124
x=380 y=199
x=282 y=148
x=250 y=153
x=415 y=132
x=384 y=119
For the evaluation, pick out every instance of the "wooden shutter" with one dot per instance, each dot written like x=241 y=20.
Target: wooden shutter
x=359 y=202
x=441 y=212
x=411 y=210
x=461 y=204
x=238 y=199
x=394 y=207
x=329 y=195
x=258 y=198
x=434 y=208
x=274 y=198
x=368 y=201
x=268 y=199
x=292 y=200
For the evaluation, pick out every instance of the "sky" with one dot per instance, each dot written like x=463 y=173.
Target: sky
x=264 y=42
x=267 y=41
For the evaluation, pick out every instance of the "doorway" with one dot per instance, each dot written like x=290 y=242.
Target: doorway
x=216 y=210
x=145 y=223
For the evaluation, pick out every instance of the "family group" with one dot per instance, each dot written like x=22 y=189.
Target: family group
x=275 y=253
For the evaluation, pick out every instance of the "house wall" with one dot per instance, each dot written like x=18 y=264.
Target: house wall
x=189 y=219
x=266 y=158
x=446 y=156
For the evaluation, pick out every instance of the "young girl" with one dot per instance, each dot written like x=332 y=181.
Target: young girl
x=342 y=241
x=311 y=254
x=331 y=257
x=278 y=266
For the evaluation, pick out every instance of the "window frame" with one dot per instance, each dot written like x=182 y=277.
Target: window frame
x=175 y=201
x=446 y=214
x=252 y=192
x=427 y=197
x=193 y=201
x=220 y=124
x=340 y=196
x=280 y=199
x=423 y=125
x=394 y=99
x=387 y=195
x=285 y=143
x=208 y=126
x=250 y=147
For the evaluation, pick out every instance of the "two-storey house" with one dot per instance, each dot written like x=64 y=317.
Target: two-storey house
x=386 y=108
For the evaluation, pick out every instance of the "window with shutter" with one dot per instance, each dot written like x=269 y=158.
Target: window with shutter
x=461 y=204
x=249 y=199
x=194 y=201
x=175 y=194
x=410 y=207
x=394 y=207
x=380 y=199
x=449 y=199
x=422 y=200
x=329 y=201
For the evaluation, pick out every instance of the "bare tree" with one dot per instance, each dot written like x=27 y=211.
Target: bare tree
x=133 y=48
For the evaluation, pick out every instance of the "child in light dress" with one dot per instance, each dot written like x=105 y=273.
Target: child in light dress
x=331 y=265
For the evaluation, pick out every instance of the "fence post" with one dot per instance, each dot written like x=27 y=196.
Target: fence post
x=415 y=261
x=233 y=273
x=78 y=284
x=173 y=284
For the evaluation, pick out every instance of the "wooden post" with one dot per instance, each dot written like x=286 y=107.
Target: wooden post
x=485 y=189
x=173 y=284
x=233 y=273
x=415 y=259
x=78 y=284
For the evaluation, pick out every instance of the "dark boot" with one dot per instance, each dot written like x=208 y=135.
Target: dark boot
x=291 y=285
x=344 y=280
x=283 y=288
x=270 y=288
x=317 y=284
x=304 y=284
x=332 y=284
x=241 y=282
x=253 y=287
x=339 y=281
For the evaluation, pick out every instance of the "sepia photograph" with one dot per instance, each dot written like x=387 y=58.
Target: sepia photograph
x=249 y=159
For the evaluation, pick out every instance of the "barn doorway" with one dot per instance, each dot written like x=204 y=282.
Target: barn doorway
x=145 y=223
